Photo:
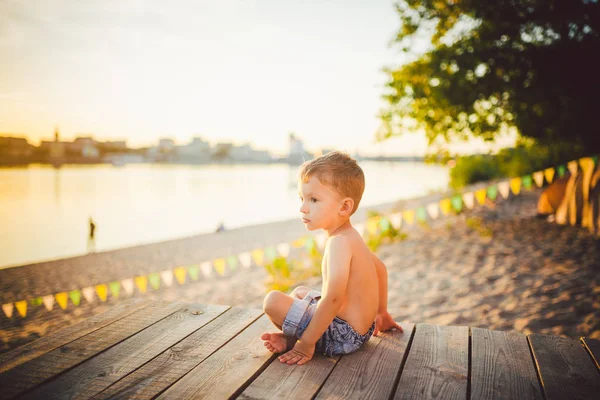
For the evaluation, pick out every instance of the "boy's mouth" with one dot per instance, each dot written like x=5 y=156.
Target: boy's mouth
x=305 y=220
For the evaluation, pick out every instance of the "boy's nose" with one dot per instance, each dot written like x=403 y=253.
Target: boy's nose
x=303 y=209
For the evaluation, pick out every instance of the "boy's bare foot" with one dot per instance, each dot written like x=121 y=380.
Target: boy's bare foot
x=277 y=342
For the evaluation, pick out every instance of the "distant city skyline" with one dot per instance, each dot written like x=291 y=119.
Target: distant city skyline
x=228 y=71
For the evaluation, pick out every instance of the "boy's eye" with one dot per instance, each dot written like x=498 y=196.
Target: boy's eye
x=312 y=199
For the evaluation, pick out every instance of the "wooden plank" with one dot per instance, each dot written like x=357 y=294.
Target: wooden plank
x=502 y=366
x=593 y=348
x=280 y=380
x=164 y=370
x=371 y=372
x=61 y=337
x=32 y=373
x=227 y=372
x=97 y=373
x=564 y=367
x=437 y=364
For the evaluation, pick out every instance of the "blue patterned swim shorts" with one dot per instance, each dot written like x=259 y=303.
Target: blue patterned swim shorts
x=338 y=338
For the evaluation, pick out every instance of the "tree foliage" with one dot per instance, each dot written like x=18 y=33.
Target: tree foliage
x=492 y=65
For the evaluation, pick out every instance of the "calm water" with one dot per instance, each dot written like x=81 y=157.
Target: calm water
x=44 y=211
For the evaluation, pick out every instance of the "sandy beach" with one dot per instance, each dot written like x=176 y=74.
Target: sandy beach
x=498 y=267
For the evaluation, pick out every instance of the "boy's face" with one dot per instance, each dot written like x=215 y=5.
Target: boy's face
x=320 y=204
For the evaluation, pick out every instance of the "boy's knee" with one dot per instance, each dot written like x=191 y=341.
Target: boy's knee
x=271 y=300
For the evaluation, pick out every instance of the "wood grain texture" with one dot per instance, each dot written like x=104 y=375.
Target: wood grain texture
x=228 y=370
x=61 y=337
x=502 y=366
x=593 y=348
x=101 y=371
x=371 y=372
x=161 y=372
x=437 y=364
x=565 y=368
x=32 y=373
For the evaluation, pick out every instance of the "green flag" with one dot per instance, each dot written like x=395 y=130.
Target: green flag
x=421 y=214
x=154 y=279
x=194 y=271
x=492 y=192
x=115 y=288
x=233 y=262
x=561 y=170
x=384 y=224
x=75 y=296
x=457 y=203
x=526 y=181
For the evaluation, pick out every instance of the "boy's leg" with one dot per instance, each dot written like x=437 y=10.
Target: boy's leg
x=277 y=305
x=300 y=292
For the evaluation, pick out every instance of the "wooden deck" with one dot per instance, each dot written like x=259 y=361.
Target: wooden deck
x=142 y=349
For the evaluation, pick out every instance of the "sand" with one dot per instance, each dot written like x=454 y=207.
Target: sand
x=497 y=267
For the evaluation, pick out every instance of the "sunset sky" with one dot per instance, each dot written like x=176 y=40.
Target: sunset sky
x=226 y=70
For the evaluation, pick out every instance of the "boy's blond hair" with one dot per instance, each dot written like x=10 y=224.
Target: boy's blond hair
x=339 y=171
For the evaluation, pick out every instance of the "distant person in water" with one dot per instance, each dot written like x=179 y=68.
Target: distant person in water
x=221 y=227
x=92 y=228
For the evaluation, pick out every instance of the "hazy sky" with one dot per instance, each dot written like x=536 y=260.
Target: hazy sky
x=226 y=70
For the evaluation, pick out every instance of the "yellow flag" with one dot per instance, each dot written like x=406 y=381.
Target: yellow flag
x=446 y=206
x=180 y=275
x=515 y=185
x=142 y=283
x=480 y=196
x=102 y=291
x=220 y=266
x=372 y=224
x=409 y=216
x=62 y=298
x=21 y=307
x=549 y=174
x=258 y=256
x=299 y=242
x=587 y=164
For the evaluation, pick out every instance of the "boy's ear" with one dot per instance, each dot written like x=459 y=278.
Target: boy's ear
x=347 y=207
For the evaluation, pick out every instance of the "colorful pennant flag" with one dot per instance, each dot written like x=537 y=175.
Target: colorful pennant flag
x=384 y=224
x=220 y=266
x=527 y=182
x=446 y=206
x=232 y=261
x=142 y=283
x=180 y=273
x=515 y=185
x=572 y=165
x=372 y=224
x=298 y=242
x=102 y=291
x=433 y=210
x=538 y=177
x=36 y=301
x=88 y=294
x=421 y=214
x=457 y=203
x=587 y=165
x=21 y=307
x=8 y=309
x=246 y=259
x=49 y=302
x=115 y=289
x=75 y=296
x=408 y=216
x=270 y=254
x=504 y=189
x=469 y=200
x=62 y=299
x=154 y=280
x=309 y=243
x=480 y=195
x=194 y=270
x=549 y=174
x=283 y=249
x=167 y=277
x=561 y=171
x=396 y=220
x=206 y=268
x=492 y=192
x=128 y=285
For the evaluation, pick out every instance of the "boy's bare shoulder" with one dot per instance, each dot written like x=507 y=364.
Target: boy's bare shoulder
x=349 y=240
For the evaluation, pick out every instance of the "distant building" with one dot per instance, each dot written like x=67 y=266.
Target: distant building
x=56 y=149
x=297 y=153
x=198 y=150
x=246 y=153
x=14 y=149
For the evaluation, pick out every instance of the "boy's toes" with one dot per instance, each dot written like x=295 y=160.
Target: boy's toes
x=265 y=336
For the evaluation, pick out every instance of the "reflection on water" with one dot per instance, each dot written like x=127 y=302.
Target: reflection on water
x=44 y=212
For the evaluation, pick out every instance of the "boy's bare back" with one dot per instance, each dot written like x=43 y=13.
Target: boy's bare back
x=361 y=300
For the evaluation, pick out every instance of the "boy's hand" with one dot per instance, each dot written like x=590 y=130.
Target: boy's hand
x=301 y=354
x=384 y=322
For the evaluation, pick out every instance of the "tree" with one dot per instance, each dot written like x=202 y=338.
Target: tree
x=492 y=65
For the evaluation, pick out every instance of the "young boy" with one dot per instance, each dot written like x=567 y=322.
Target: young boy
x=353 y=302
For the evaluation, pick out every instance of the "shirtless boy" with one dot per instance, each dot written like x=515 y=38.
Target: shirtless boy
x=353 y=303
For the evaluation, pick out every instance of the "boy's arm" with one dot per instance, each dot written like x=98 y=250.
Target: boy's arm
x=339 y=255
x=383 y=321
